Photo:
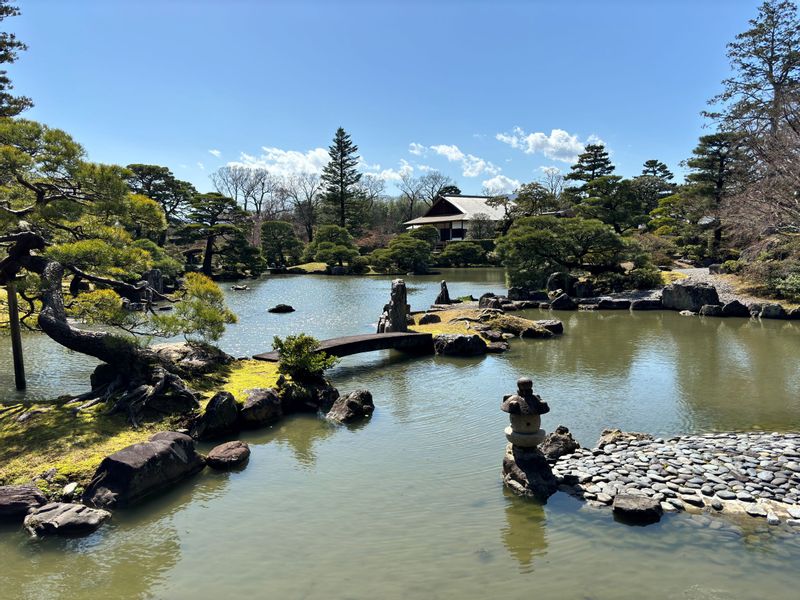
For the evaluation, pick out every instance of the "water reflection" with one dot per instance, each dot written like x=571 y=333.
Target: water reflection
x=524 y=535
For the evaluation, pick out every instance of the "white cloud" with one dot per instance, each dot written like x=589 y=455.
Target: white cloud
x=451 y=152
x=550 y=170
x=416 y=149
x=394 y=174
x=500 y=184
x=424 y=168
x=471 y=165
x=559 y=145
x=285 y=162
x=215 y=152
x=201 y=165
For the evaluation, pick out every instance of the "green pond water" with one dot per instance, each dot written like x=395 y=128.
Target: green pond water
x=410 y=504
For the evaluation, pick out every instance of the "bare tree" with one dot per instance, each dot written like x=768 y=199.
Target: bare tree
x=370 y=188
x=434 y=184
x=410 y=193
x=303 y=191
x=231 y=181
x=553 y=181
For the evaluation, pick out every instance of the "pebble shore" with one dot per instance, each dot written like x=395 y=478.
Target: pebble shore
x=754 y=473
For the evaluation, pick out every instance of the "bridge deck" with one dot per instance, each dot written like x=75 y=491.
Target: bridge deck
x=355 y=344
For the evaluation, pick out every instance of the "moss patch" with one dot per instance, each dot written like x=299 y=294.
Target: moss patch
x=312 y=267
x=672 y=276
x=249 y=374
x=56 y=438
x=457 y=327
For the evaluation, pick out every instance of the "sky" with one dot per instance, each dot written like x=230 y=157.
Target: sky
x=489 y=93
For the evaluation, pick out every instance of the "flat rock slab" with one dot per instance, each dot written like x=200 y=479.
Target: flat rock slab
x=17 y=500
x=61 y=518
x=637 y=510
x=228 y=455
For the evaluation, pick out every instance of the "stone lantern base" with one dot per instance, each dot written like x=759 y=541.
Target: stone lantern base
x=526 y=472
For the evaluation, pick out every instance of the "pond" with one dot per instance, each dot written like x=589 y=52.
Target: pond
x=410 y=504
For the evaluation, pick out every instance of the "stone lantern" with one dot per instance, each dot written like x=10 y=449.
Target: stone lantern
x=525 y=409
x=525 y=469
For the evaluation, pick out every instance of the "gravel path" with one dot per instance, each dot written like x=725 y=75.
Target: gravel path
x=726 y=289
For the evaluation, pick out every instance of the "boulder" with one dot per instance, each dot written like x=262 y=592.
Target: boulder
x=755 y=310
x=444 y=295
x=794 y=314
x=190 y=360
x=613 y=436
x=395 y=314
x=558 y=444
x=584 y=289
x=497 y=347
x=637 y=510
x=60 y=518
x=452 y=344
x=132 y=474
x=281 y=308
x=734 y=308
x=613 y=304
x=773 y=311
x=490 y=302
x=352 y=407
x=526 y=472
x=228 y=455
x=17 y=500
x=647 y=304
x=262 y=407
x=306 y=396
x=561 y=281
x=428 y=318
x=523 y=294
x=563 y=302
x=554 y=326
x=715 y=269
x=711 y=310
x=220 y=418
x=688 y=296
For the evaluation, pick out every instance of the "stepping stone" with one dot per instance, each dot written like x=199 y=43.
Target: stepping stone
x=228 y=455
x=61 y=518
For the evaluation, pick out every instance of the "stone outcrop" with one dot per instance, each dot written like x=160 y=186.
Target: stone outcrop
x=190 y=360
x=262 y=407
x=561 y=281
x=353 y=407
x=554 y=326
x=646 y=304
x=490 y=301
x=281 y=308
x=395 y=314
x=453 y=344
x=141 y=470
x=526 y=472
x=734 y=308
x=228 y=455
x=613 y=304
x=637 y=510
x=689 y=296
x=59 y=518
x=558 y=444
x=711 y=310
x=17 y=500
x=306 y=397
x=773 y=311
x=563 y=302
x=522 y=294
x=444 y=295
x=429 y=318
x=220 y=418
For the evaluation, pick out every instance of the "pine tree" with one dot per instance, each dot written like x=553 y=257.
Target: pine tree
x=592 y=163
x=656 y=168
x=10 y=106
x=340 y=177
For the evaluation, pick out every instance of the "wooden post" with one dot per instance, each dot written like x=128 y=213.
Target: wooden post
x=16 y=338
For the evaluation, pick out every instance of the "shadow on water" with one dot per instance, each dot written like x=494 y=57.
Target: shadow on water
x=525 y=534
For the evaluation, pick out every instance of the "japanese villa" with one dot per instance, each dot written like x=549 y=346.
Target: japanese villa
x=452 y=215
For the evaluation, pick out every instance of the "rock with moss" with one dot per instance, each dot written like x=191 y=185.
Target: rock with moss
x=220 y=417
x=691 y=296
x=142 y=470
x=309 y=396
x=429 y=318
x=352 y=407
x=17 y=500
x=517 y=326
x=262 y=407
x=191 y=359
x=65 y=519
x=453 y=344
x=558 y=444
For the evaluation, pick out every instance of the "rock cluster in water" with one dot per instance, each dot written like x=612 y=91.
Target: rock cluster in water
x=754 y=473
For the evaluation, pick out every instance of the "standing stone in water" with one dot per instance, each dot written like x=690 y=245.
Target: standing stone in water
x=395 y=314
x=444 y=295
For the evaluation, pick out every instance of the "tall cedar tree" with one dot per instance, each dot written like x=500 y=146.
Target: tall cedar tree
x=340 y=177
x=10 y=106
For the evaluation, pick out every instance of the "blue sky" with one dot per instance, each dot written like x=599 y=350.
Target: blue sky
x=486 y=92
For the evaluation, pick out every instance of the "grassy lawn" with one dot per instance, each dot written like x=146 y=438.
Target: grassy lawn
x=312 y=267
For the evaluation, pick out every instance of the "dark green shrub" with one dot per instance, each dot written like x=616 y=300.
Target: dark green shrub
x=462 y=254
x=298 y=359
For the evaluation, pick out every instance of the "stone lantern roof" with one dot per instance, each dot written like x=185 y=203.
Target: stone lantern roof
x=524 y=402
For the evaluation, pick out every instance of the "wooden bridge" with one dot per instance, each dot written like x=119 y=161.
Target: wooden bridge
x=418 y=343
